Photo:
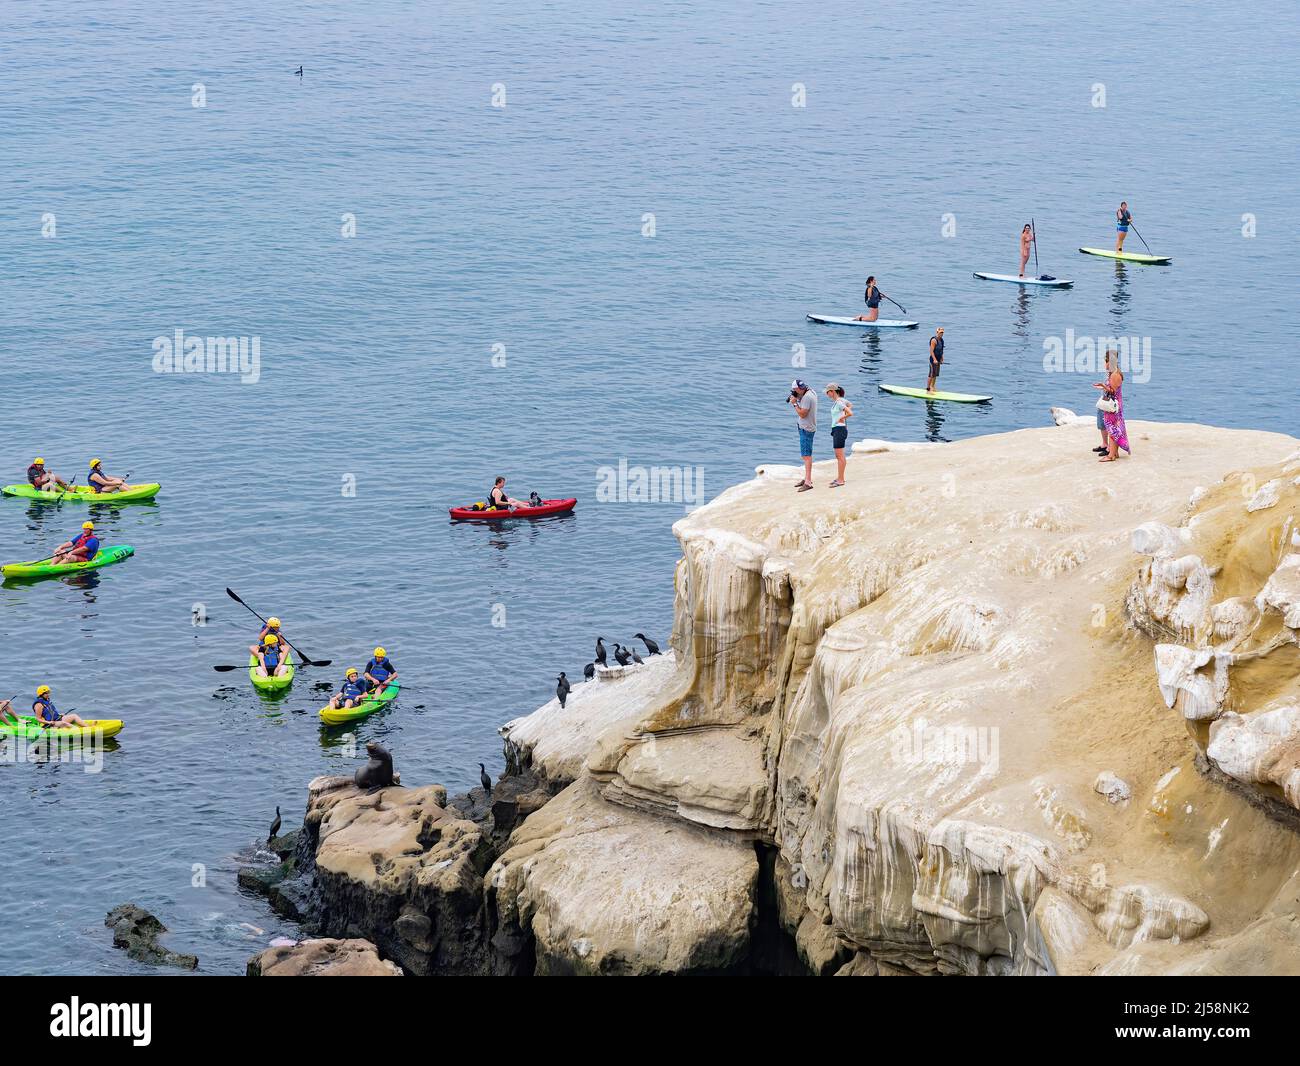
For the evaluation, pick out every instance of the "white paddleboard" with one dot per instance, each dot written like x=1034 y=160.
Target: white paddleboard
x=880 y=323
x=921 y=394
x=1053 y=283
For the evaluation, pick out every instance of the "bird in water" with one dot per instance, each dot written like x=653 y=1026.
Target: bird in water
x=589 y=671
x=562 y=689
x=621 y=655
x=484 y=780
x=650 y=646
x=298 y=72
x=275 y=826
x=600 y=651
x=635 y=657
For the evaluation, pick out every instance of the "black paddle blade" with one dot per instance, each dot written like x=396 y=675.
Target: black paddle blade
x=316 y=662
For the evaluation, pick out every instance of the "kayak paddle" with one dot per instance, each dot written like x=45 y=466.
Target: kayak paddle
x=303 y=660
x=59 y=502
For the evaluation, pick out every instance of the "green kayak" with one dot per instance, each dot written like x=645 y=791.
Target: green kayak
x=271 y=684
x=45 y=568
x=362 y=710
x=84 y=494
x=30 y=729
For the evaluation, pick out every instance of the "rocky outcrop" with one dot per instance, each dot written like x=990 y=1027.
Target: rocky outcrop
x=323 y=958
x=931 y=693
x=136 y=931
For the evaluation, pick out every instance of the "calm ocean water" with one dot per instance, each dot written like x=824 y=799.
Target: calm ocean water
x=518 y=230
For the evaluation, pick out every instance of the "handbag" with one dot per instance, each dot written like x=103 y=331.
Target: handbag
x=1108 y=404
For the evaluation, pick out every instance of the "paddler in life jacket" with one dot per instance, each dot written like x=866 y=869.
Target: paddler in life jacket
x=271 y=657
x=48 y=715
x=353 y=692
x=44 y=480
x=270 y=629
x=102 y=482
x=7 y=715
x=380 y=671
x=498 y=500
x=79 y=550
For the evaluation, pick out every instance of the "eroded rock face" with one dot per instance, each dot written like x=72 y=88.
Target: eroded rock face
x=592 y=887
x=909 y=686
x=323 y=957
x=1222 y=592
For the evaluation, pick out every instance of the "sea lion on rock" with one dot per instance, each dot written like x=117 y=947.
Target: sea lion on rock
x=378 y=772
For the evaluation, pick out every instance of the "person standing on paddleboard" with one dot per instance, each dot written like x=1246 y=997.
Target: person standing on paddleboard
x=873 y=296
x=1122 y=218
x=936 y=358
x=1026 y=245
x=804 y=401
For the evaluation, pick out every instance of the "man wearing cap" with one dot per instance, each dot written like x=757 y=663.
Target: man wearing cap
x=804 y=401
x=43 y=480
x=101 y=481
x=936 y=358
x=80 y=550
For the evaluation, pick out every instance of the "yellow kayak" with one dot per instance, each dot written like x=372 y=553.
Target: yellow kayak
x=30 y=729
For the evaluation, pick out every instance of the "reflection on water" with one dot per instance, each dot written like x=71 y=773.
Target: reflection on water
x=1020 y=320
x=934 y=419
x=502 y=533
x=871 y=352
x=1119 y=296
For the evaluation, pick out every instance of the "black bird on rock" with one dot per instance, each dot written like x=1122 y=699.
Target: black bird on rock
x=275 y=826
x=484 y=780
x=589 y=671
x=621 y=655
x=562 y=689
x=600 y=651
x=650 y=646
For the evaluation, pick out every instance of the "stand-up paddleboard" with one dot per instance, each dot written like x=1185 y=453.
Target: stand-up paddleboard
x=880 y=323
x=921 y=394
x=1053 y=283
x=1128 y=257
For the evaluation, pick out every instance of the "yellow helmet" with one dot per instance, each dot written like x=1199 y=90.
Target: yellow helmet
x=43 y=690
x=94 y=463
x=38 y=461
x=380 y=653
x=270 y=639
x=87 y=525
x=273 y=622
x=351 y=672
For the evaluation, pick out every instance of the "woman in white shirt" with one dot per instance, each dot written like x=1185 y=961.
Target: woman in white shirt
x=841 y=411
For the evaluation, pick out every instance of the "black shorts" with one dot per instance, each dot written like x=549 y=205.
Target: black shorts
x=934 y=368
x=839 y=434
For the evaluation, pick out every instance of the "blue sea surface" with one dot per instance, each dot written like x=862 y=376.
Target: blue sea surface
x=502 y=309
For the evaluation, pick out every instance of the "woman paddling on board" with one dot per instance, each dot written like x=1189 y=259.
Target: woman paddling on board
x=936 y=358
x=1026 y=243
x=1113 y=397
x=873 y=296
x=1122 y=218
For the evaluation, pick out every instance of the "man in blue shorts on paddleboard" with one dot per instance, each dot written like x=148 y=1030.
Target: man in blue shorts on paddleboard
x=804 y=401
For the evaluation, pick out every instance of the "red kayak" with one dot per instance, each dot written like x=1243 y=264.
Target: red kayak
x=548 y=507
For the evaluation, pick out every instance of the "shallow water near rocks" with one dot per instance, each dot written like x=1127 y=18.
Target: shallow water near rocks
x=522 y=227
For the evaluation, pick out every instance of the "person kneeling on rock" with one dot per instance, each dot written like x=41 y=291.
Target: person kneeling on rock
x=353 y=692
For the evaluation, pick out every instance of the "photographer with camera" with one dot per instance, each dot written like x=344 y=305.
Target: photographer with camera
x=804 y=402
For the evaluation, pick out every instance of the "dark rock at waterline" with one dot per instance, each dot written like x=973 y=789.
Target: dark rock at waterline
x=285 y=844
x=137 y=931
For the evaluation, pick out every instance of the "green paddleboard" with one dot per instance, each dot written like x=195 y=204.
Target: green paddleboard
x=921 y=394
